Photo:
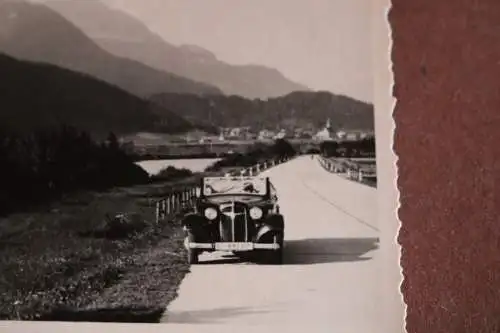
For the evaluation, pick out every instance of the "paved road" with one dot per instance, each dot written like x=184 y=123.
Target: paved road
x=329 y=276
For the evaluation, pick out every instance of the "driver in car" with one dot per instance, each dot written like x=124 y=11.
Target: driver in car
x=249 y=187
x=209 y=189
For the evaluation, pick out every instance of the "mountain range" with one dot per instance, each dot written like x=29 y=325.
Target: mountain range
x=37 y=95
x=112 y=74
x=123 y=35
x=34 y=32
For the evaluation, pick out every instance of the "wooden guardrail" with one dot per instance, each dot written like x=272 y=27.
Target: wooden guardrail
x=353 y=169
x=176 y=201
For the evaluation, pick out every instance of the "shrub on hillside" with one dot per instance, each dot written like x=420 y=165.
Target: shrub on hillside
x=234 y=160
x=171 y=173
x=360 y=148
x=312 y=151
x=281 y=148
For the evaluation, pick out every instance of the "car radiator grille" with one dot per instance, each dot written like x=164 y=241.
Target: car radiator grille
x=234 y=223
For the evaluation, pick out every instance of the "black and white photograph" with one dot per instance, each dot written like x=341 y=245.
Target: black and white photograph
x=189 y=163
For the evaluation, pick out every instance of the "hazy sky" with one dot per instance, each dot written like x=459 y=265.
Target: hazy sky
x=325 y=44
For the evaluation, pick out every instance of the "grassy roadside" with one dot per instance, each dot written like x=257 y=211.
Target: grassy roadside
x=70 y=257
x=69 y=263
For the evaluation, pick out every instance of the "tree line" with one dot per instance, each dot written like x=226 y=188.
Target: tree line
x=359 y=148
x=280 y=149
x=48 y=163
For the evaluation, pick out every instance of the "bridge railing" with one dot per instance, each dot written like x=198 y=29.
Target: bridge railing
x=177 y=201
x=353 y=168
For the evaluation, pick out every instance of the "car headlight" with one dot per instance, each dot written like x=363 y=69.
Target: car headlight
x=255 y=213
x=210 y=213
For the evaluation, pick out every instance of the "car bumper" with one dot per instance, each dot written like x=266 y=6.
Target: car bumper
x=236 y=246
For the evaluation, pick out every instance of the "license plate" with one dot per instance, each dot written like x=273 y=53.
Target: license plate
x=234 y=246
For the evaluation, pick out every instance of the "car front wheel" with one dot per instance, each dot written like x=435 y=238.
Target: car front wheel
x=276 y=257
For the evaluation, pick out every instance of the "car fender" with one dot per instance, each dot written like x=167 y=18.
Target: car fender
x=192 y=221
x=267 y=231
x=272 y=226
x=275 y=221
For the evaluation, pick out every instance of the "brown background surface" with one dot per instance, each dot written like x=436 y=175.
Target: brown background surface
x=447 y=83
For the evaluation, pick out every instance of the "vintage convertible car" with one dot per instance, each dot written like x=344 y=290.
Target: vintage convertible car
x=236 y=214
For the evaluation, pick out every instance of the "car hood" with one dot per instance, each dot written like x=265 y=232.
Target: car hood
x=239 y=198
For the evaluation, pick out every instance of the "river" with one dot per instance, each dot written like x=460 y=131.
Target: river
x=194 y=164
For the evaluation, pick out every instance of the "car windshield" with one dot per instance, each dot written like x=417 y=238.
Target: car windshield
x=234 y=185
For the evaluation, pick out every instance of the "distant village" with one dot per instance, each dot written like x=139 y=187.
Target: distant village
x=234 y=139
x=246 y=134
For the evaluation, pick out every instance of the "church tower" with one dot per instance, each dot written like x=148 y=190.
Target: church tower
x=328 y=128
x=326 y=132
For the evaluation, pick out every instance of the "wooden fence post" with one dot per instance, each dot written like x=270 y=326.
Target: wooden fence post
x=157 y=212
x=161 y=210
x=171 y=204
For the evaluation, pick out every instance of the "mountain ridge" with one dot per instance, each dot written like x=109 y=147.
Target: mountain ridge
x=134 y=40
x=35 y=32
x=296 y=109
